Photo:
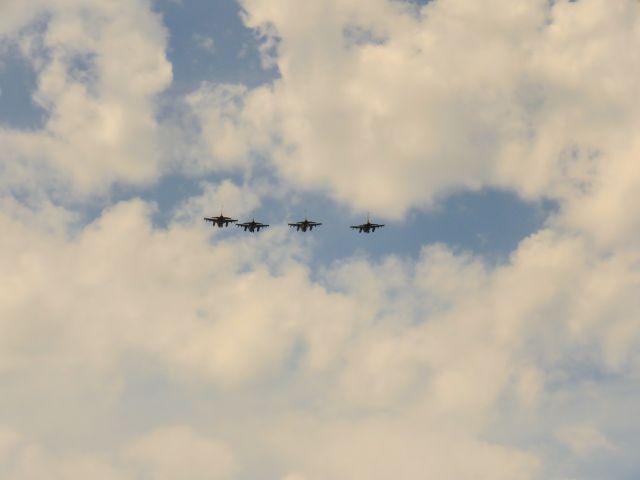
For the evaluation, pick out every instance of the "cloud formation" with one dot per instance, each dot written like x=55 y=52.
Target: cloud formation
x=388 y=353
x=99 y=66
x=167 y=453
x=389 y=106
x=200 y=354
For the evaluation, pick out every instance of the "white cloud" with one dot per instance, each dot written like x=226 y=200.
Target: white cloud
x=15 y=14
x=294 y=476
x=168 y=453
x=239 y=201
x=218 y=107
x=420 y=357
x=177 y=452
x=344 y=118
x=233 y=121
x=407 y=447
x=29 y=460
x=397 y=368
x=8 y=441
x=583 y=439
x=101 y=125
x=535 y=97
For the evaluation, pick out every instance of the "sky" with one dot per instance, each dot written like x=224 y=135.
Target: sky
x=490 y=331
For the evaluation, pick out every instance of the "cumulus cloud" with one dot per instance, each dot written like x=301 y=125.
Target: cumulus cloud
x=178 y=452
x=421 y=358
x=583 y=439
x=214 y=197
x=537 y=98
x=27 y=460
x=164 y=454
x=404 y=448
x=444 y=365
x=101 y=125
x=15 y=15
x=234 y=122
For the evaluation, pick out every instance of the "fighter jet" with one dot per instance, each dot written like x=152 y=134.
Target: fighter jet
x=367 y=227
x=252 y=226
x=220 y=220
x=304 y=225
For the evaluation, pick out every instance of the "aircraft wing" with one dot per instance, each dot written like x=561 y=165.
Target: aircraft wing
x=357 y=226
x=297 y=224
x=207 y=219
x=314 y=224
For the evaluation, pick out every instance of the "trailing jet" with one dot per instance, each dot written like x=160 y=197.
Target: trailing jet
x=367 y=227
x=220 y=221
x=252 y=226
x=305 y=225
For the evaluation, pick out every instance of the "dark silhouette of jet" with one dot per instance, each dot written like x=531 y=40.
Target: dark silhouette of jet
x=367 y=227
x=305 y=225
x=252 y=226
x=220 y=220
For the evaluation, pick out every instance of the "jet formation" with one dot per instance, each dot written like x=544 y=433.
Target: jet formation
x=301 y=226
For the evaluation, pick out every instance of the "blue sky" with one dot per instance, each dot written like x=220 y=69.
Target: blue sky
x=489 y=331
x=232 y=56
x=18 y=81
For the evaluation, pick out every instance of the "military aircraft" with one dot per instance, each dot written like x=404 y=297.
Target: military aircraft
x=252 y=226
x=305 y=225
x=220 y=221
x=367 y=227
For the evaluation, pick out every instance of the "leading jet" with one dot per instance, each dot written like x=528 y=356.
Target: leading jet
x=367 y=227
x=305 y=225
x=252 y=226
x=220 y=220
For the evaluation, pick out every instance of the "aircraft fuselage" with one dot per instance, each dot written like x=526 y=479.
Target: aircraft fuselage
x=367 y=227
x=220 y=221
x=304 y=225
x=252 y=226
